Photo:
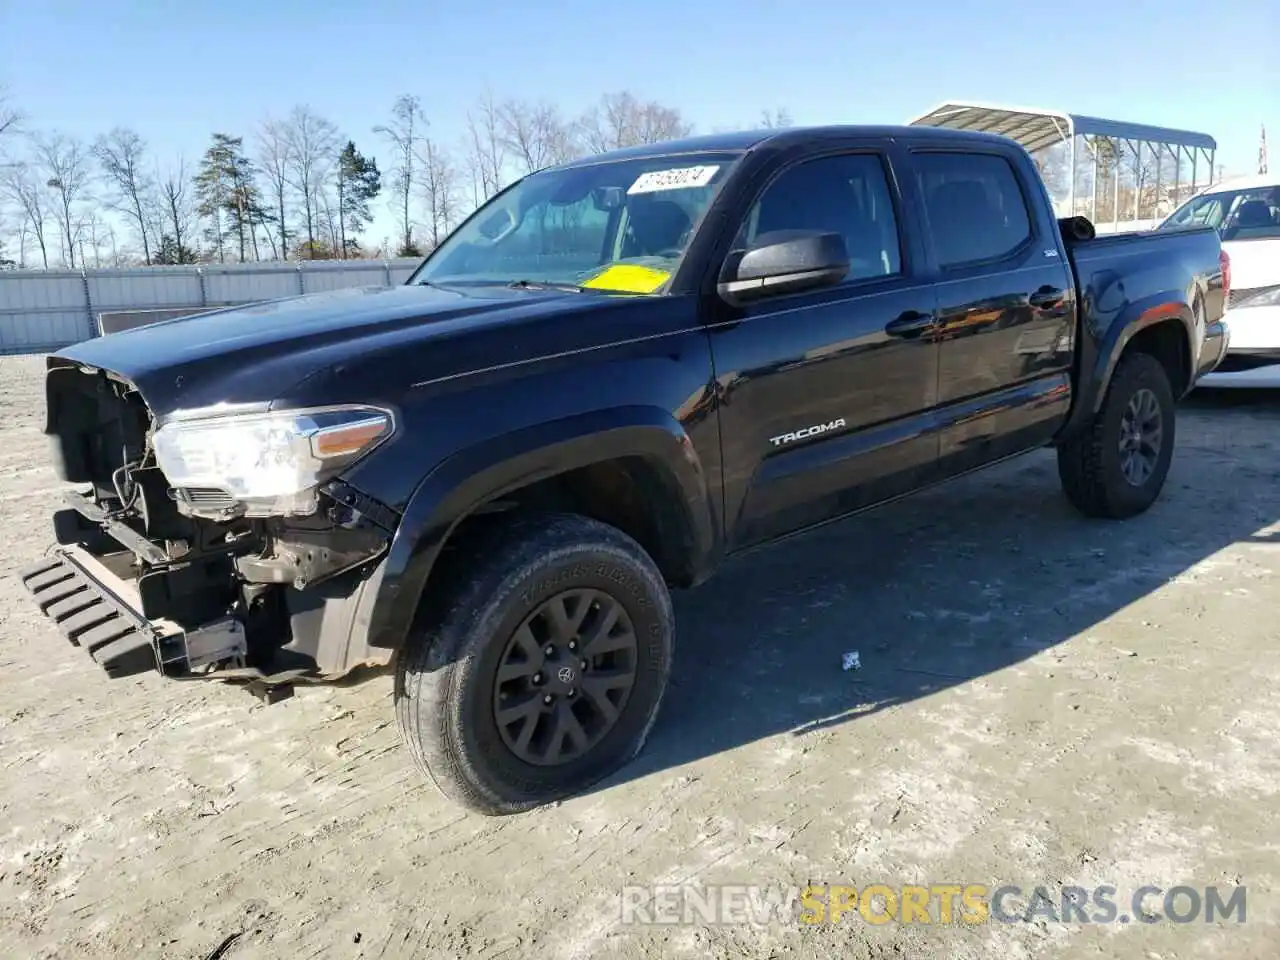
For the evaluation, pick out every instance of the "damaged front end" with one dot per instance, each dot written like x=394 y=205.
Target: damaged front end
x=215 y=543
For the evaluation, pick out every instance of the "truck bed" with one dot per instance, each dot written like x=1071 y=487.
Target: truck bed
x=1128 y=279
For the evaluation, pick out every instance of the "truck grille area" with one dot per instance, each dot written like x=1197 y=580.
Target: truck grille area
x=97 y=425
x=205 y=498
x=88 y=616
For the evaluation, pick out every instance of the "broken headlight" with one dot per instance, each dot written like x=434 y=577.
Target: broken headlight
x=270 y=464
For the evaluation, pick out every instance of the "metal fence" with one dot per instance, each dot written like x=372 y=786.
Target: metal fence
x=42 y=310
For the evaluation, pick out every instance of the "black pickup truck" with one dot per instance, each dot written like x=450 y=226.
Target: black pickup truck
x=613 y=375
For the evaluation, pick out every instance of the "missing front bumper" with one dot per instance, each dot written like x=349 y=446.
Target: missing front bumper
x=99 y=612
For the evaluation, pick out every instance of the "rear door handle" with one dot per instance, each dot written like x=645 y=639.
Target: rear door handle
x=912 y=323
x=1046 y=297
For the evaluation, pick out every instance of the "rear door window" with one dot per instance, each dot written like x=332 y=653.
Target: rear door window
x=976 y=209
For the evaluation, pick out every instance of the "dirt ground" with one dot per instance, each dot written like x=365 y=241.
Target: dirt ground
x=1042 y=700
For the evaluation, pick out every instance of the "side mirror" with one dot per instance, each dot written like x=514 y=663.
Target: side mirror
x=784 y=261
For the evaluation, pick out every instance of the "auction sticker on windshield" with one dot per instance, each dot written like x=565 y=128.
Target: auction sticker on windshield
x=681 y=178
x=628 y=278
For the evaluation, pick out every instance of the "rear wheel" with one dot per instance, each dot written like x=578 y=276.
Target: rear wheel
x=1116 y=466
x=543 y=671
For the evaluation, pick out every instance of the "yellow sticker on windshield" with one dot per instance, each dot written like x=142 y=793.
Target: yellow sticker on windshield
x=628 y=278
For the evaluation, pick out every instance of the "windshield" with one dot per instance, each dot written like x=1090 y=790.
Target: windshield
x=1247 y=214
x=619 y=225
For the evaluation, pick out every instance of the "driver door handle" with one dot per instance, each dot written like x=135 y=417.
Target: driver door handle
x=911 y=323
x=1046 y=296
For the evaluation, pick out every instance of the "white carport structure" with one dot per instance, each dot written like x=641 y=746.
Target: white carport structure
x=1038 y=130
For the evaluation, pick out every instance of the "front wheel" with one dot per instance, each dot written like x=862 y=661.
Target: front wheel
x=1116 y=466
x=545 y=669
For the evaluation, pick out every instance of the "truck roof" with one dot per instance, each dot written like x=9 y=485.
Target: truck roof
x=743 y=140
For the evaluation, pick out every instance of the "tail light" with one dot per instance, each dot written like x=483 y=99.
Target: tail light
x=1224 y=261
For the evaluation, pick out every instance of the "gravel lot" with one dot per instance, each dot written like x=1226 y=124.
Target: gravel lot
x=1042 y=701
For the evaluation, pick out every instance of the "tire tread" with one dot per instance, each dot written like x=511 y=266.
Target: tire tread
x=1081 y=460
x=427 y=705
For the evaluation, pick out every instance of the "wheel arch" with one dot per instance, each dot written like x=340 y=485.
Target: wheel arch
x=633 y=467
x=1159 y=325
x=1163 y=324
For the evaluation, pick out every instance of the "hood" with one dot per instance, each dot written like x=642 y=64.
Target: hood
x=249 y=355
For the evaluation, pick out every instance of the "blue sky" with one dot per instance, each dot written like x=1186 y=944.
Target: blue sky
x=175 y=71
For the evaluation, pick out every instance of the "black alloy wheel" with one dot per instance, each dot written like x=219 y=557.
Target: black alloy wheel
x=565 y=677
x=1141 y=434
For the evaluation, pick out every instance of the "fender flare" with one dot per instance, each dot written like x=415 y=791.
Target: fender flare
x=471 y=477
x=1098 y=358
x=1145 y=314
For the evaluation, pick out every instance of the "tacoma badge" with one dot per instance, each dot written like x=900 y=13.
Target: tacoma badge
x=803 y=432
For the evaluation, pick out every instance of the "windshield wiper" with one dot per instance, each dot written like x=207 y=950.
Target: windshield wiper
x=544 y=285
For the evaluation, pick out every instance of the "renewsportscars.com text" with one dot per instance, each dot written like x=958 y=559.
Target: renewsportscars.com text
x=938 y=903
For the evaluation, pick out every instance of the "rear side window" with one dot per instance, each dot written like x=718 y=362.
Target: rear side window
x=975 y=207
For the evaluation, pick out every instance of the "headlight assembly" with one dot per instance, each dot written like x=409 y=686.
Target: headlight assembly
x=270 y=463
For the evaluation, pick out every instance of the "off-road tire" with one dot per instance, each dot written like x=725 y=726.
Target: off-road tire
x=446 y=673
x=1089 y=464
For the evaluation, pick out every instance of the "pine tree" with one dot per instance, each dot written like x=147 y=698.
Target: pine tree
x=170 y=251
x=227 y=186
x=358 y=183
x=245 y=207
x=214 y=186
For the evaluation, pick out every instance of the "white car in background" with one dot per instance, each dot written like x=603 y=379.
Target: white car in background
x=1246 y=213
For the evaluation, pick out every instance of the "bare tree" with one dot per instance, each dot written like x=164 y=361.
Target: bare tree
x=153 y=211
x=486 y=152
x=622 y=120
x=312 y=149
x=656 y=123
x=407 y=128
x=439 y=183
x=297 y=158
x=327 y=218
x=22 y=187
x=607 y=125
x=267 y=232
x=24 y=229
x=101 y=237
x=1053 y=165
x=773 y=119
x=120 y=153
x=534 y=134
x=273 y=158
x=64 y=163
x=10 y=116
x=177 y=204
x=1109 y=182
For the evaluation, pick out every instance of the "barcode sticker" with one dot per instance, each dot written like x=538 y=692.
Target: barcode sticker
x=681 y=178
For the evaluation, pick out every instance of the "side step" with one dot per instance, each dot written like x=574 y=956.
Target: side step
x=90 y=615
